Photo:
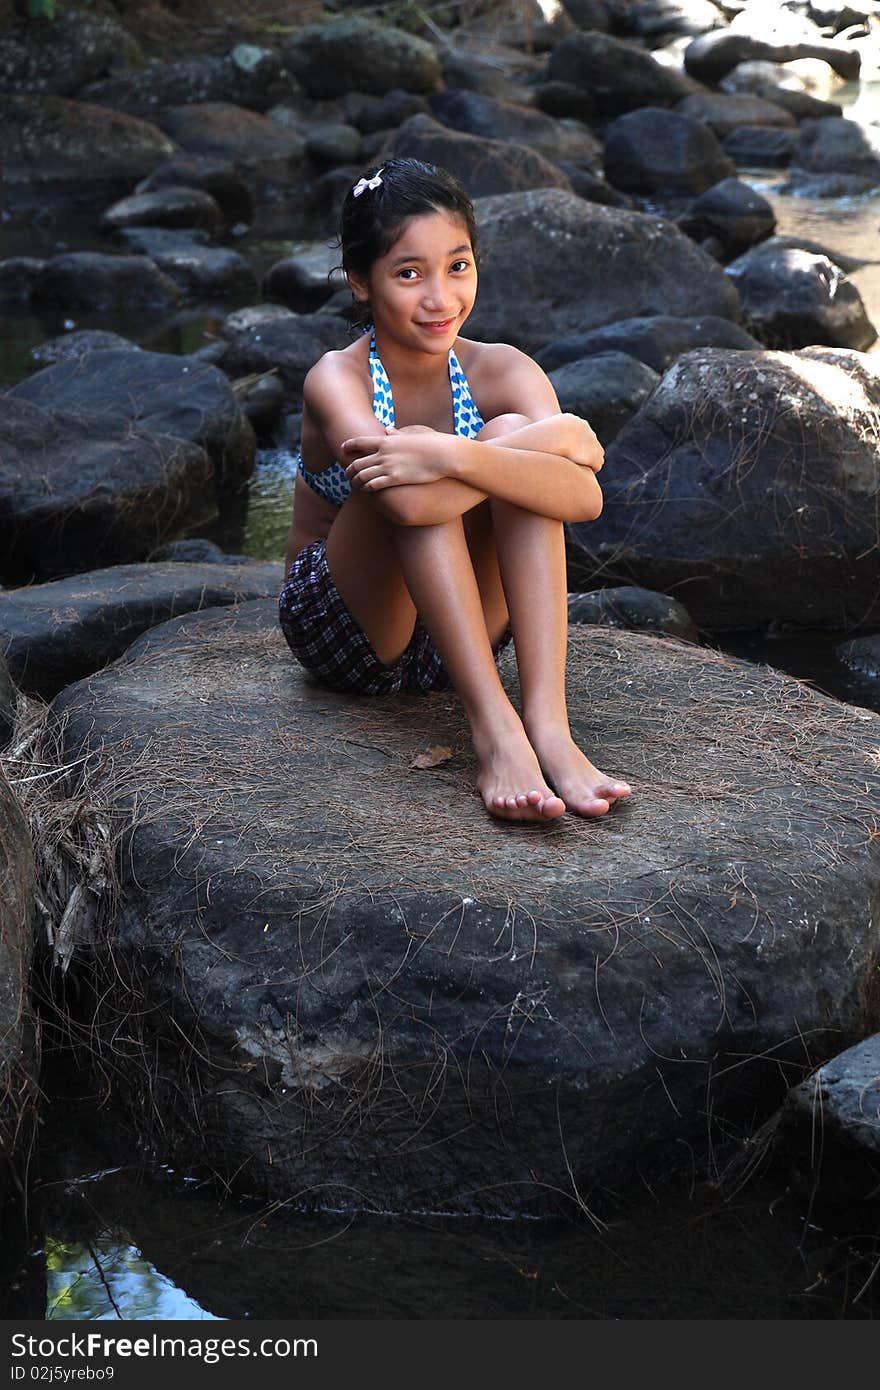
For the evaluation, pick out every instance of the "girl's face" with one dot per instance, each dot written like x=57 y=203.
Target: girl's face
x=422 y=291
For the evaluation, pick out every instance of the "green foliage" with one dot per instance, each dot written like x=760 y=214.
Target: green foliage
x=41 y=9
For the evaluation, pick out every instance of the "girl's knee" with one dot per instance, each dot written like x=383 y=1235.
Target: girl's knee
x=503 y=424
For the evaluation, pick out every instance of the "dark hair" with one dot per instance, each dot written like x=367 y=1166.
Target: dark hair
x=371 y=223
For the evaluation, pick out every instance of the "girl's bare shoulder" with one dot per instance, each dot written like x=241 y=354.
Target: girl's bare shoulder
x=341 y=368
x=501 y=377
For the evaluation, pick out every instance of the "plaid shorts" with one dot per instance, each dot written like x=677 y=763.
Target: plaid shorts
x=332 y=645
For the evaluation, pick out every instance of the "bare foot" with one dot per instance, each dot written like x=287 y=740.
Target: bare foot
x=586 y=790
x=510 y=781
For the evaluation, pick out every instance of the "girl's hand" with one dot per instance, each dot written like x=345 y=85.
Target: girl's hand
x=397 y=457
x=588 y=451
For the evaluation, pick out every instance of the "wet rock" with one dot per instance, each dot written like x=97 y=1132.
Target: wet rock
x=591 y=14
x=607 y=389
x=18 y=275
x=307 y=280
x=818 y=248
x=230 y=132
x=483 y=166
x=360 y=55
x=19 y=1048
x=60 y=58
x=724 y=112
x=861 y=654
x=711 y=56
x=58 y=632
x=202 y=271
x=165 y=207
x=374 y=113
x=639 y=610
x=840 y=14
x=71 y=346
x=48 y=140
x=747 y=486
x=91 y=280
x=248 y=318
x=731 y=211
x=292 y=344
x=216 y=177
x=793 y=298
x=620 y=76
x=156 y=392
x=657 y=340
x=308 y=1058
x=802 y=185
x=597 y=265
x=130 y=489
x=657 y=151
x=247 y=76
x=332 y=143
x=838 y=145
x=829 y=1126
x=760 y=146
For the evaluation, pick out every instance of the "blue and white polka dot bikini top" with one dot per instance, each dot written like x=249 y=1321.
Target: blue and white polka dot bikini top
x=332 y=484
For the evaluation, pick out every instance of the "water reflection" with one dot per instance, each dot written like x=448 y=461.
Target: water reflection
x=109 y=1278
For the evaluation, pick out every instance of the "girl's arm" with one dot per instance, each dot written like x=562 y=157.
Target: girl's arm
x=548 y=466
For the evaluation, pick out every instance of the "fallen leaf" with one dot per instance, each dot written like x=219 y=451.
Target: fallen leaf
x=432 y=756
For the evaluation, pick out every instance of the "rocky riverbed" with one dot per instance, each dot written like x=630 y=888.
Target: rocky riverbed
x=731 y=375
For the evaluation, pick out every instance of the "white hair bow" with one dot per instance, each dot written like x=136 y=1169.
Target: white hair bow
x=363 y=184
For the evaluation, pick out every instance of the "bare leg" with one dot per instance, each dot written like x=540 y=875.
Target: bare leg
x=531 y=552
x=384 y=573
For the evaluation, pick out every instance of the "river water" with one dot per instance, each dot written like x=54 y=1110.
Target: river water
x=113 y=1236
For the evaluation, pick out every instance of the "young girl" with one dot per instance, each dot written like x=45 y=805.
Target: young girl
x=434 y=479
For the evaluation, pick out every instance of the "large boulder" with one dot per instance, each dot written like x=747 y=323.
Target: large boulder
x=174 y=206
x=606 y=388
x=245 y=138
x=657 y=151
x=18 y=1034
x=157 y=392
x=639 y=610
x=620 y=76
x=56 y=633
x=52 y=140
x=360 y=55
x=60 y=58
x=476 y=114
x=100 y=283
x=202 y=272
x=597 y=265
x=325 y=999
x=246 y=76
x=77 y=490
x=748 y=487
x=485 y=167
x=290 y=344
x=792 y=298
